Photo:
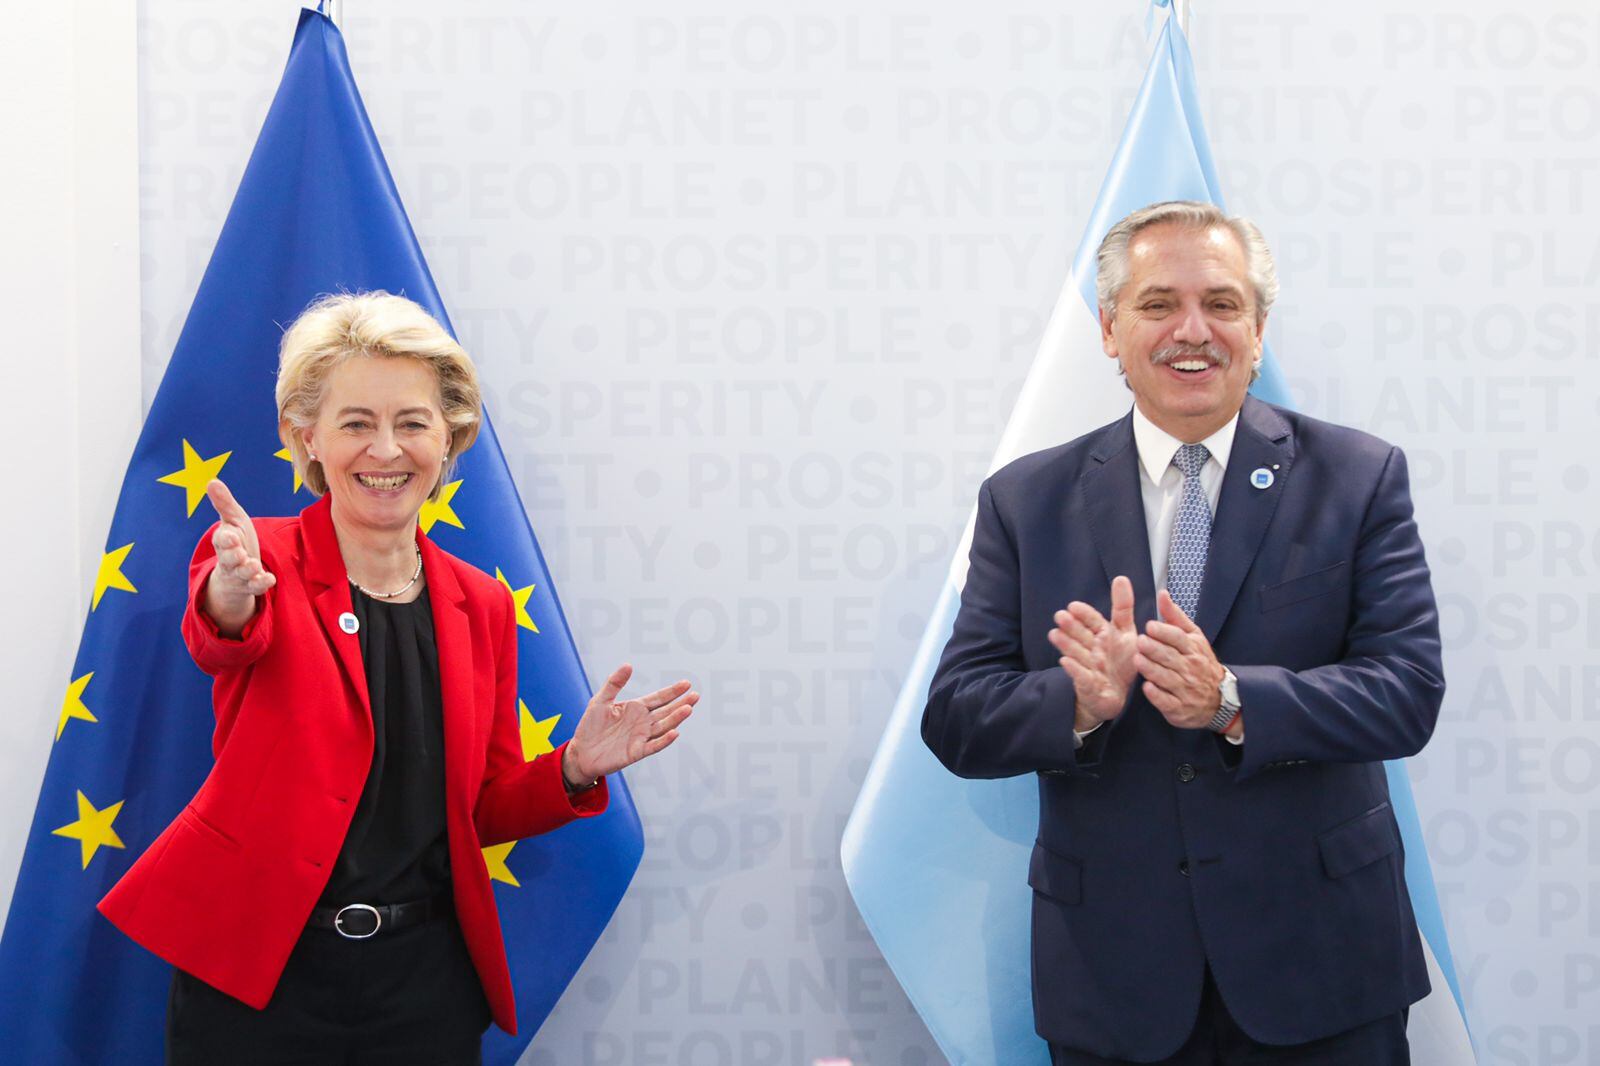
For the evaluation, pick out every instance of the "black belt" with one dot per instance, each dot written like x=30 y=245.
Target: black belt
x=358 y=921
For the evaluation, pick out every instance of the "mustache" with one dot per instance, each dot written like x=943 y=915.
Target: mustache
x=1216 y=353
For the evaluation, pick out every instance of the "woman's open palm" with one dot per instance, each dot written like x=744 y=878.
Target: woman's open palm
x=614 y=734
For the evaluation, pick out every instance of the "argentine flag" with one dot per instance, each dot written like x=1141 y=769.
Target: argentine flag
x=938 y=865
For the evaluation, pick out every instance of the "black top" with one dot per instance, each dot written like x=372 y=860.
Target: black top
x=396 y=849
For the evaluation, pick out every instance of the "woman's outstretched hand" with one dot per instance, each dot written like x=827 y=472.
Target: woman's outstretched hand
x=612 y=734
x=239 y=577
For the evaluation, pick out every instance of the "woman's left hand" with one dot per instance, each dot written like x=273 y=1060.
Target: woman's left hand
x=612 y=734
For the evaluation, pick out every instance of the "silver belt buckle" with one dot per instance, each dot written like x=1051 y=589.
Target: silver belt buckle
x=338 y=919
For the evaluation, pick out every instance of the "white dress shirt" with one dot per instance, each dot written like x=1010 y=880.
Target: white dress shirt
x=1161 y=489
x=1161 y=483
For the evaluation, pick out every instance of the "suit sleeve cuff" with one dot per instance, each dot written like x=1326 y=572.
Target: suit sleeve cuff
x=212 y=651
x=583 y=804
x=1078 y=737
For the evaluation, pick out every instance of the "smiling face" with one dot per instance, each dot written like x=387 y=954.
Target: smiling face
x=1185 y=328
x=381 y=437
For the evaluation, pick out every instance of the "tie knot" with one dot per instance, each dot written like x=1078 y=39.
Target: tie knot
x=1190 y=458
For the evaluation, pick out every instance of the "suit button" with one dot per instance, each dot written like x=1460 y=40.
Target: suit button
x=1185 y=773
x=1183 y=867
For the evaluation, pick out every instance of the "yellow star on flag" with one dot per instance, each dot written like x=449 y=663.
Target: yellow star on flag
x=287 y=456
x=195 y=474
x=495 y=859
x=535 y=732
x=110 y=575
x=93 y=828
x=439 y=510
x=72 y=706
x=519 y=597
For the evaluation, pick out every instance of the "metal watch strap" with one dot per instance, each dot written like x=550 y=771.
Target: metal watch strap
x=1227 y=709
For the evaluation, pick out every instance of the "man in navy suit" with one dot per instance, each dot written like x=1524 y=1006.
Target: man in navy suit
x=1243 y=629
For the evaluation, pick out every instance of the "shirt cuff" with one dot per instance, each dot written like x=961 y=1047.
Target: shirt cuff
x=1077 y=737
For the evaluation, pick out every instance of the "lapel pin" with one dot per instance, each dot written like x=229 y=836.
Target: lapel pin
x=348 y=622
x=1261 y=477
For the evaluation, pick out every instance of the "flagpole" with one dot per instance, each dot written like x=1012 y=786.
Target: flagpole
x=334 y=9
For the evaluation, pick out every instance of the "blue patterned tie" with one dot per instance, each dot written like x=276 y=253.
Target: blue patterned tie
x=1191 y=531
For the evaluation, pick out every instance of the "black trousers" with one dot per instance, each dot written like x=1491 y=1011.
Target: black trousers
x=1217 y=1040
x=405 y=998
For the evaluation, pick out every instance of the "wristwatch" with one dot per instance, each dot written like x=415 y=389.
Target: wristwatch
x=1229 y=708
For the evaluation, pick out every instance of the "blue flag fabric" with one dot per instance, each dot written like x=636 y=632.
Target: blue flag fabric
x=938 y=865
x=316 y=212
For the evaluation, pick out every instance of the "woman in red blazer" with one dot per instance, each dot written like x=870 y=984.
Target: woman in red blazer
x=323 y=898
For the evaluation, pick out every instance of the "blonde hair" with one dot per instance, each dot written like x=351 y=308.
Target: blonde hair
x=342 y=326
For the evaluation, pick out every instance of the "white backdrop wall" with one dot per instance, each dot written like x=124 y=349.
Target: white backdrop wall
x=753 y=292
x=69 y=289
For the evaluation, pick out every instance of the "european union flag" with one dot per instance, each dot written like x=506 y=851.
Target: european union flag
x=316 y=212
x=924 y=850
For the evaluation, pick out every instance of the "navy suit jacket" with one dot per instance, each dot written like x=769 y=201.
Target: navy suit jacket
x=1160 y=850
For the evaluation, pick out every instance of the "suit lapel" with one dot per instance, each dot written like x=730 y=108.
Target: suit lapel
x=1263 y=442
x=452 y=634
x=1114 y=506
x=330 y=592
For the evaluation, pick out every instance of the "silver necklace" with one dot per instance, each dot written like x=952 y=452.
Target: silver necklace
x=396 y=592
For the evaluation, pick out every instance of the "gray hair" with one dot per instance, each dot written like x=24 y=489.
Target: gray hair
x=1112 y=270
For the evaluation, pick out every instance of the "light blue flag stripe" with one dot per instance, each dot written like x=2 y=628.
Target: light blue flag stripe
x=937 y=864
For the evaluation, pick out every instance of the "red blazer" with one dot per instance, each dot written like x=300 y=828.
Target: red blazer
x=226 y=890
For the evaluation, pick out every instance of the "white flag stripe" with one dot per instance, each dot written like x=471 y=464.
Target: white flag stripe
x=1071 y=388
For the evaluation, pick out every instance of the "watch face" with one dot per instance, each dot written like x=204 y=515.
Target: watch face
x=1230 y=691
